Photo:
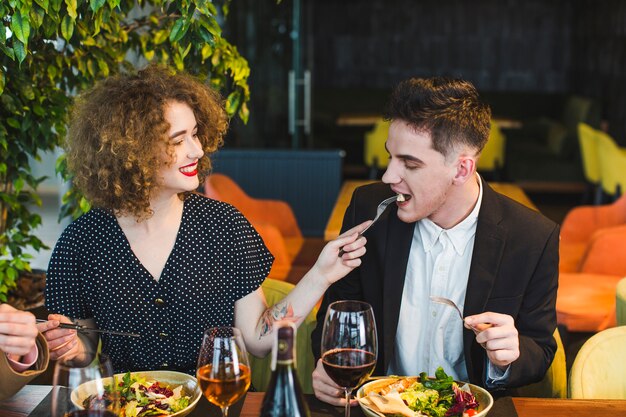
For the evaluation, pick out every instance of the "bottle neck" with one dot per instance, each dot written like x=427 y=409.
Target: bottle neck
x=285 y=347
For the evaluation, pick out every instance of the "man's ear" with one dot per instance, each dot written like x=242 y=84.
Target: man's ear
x=465 y=169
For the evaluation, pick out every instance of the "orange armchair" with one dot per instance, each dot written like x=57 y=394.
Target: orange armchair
x=273 y=219
x=593 y=260
x=582 y=236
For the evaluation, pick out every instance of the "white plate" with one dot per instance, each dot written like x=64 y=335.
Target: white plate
x=485 y=400
x=170 y=378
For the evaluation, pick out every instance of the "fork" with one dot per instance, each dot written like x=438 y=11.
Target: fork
x=379 y=210
x=448 y=302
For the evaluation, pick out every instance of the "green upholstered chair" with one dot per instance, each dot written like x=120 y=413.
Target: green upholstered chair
x=554 y=383
x=589 y=156
x=620 y=302
x=599 y=370
x=374 y=152
x=492 y=156
x=612 y=162
x=261 y=367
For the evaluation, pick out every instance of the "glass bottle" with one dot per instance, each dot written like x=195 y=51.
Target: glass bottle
x=284 y=397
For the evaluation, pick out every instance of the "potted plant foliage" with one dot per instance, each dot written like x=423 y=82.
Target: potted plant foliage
x=52 y=49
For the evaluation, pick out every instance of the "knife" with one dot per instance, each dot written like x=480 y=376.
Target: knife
x=81 y=328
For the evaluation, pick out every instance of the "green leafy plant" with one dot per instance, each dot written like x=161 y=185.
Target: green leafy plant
x=52 y=49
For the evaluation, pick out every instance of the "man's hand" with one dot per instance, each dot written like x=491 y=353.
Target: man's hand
x=61 y=342
x=326 y=390
x=497 y=334
x=18 y=331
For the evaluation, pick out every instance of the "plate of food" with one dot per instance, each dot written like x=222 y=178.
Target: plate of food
x=143 y=394
x=422 y=395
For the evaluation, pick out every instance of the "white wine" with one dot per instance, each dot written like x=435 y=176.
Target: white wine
x=284 y=395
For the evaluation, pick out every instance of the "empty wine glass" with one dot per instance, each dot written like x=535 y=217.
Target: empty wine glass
x=85 y=390
x=349 y=345
x=223 y=370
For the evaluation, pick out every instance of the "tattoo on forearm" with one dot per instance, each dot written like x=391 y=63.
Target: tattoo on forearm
x=280 y=311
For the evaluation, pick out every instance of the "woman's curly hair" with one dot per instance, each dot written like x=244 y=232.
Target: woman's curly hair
x=118 y=132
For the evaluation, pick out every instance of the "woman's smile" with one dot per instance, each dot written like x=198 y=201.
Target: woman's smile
x=190 y=170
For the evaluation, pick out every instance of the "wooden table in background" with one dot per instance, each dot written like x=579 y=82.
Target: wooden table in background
x=358 y=119
x=345 y=194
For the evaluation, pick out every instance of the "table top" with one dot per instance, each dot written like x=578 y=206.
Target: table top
x=27 y=400
x=345 y=194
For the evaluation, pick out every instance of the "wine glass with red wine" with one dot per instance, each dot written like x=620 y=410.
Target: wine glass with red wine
x=85 y=390
x=223 y=370
x=349 y=344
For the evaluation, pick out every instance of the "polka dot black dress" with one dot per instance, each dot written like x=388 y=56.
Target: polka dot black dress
x=217 y=259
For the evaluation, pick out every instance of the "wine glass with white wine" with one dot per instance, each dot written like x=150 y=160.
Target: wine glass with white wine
x=223 y=371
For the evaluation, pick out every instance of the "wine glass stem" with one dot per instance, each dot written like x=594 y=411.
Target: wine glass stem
x=225 y=411
x=348 y=395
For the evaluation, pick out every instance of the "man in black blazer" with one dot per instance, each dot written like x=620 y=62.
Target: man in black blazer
x=508 y=270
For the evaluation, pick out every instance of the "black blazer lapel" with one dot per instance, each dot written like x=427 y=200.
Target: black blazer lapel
x=396 y=257
x=488 y=249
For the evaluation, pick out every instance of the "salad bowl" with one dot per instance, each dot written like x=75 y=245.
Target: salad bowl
x=171 y=379
x=483 y=397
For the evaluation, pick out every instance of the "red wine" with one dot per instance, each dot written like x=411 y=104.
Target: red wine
x=283 y=397
x=90 y=413
x=348 y=367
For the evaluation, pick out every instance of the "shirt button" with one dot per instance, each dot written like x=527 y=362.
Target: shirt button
x=159 y=302
x=434 y=313
x=163 y=335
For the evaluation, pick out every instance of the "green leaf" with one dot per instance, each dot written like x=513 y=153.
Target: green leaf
x=67 y=28
x=36 y=17
x=71 y=8
x=178 y=30
x=84 y=205
x=206 y=52
x=8 y=52
x=104 y=67
x=19 y=50
x=3 y=80
x=159 y=37
x=244 y=113
x=185 y=51
x=56 y=5
x=43 y=4
x=232 y=102
x=20 y=27
x=96 y=4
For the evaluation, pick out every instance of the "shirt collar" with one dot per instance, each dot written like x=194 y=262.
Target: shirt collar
x=459 y=235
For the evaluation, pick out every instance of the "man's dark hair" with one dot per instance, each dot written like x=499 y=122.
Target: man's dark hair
x=449 y=109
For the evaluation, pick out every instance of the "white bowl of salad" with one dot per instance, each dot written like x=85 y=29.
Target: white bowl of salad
x=423 y=396
x=146 y=393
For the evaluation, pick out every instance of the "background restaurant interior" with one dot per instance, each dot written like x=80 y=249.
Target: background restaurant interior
x=543 y=66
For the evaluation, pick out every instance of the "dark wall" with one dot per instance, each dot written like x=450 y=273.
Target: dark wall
x=598 y=67
x=500 y=45
x=358 y=49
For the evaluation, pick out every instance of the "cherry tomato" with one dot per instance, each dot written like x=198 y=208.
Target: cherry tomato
x=471 y=412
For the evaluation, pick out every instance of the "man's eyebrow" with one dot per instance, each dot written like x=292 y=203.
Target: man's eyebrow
x=406 y=157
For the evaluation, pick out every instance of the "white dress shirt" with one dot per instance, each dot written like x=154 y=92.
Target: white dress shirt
x=430 y=335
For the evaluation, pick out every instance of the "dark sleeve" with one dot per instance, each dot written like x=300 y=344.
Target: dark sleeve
x=347 y=288
x=536 y=320
x=64 y=291
x=252 y=260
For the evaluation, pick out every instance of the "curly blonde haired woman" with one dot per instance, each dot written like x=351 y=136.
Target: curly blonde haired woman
x=152 y=257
